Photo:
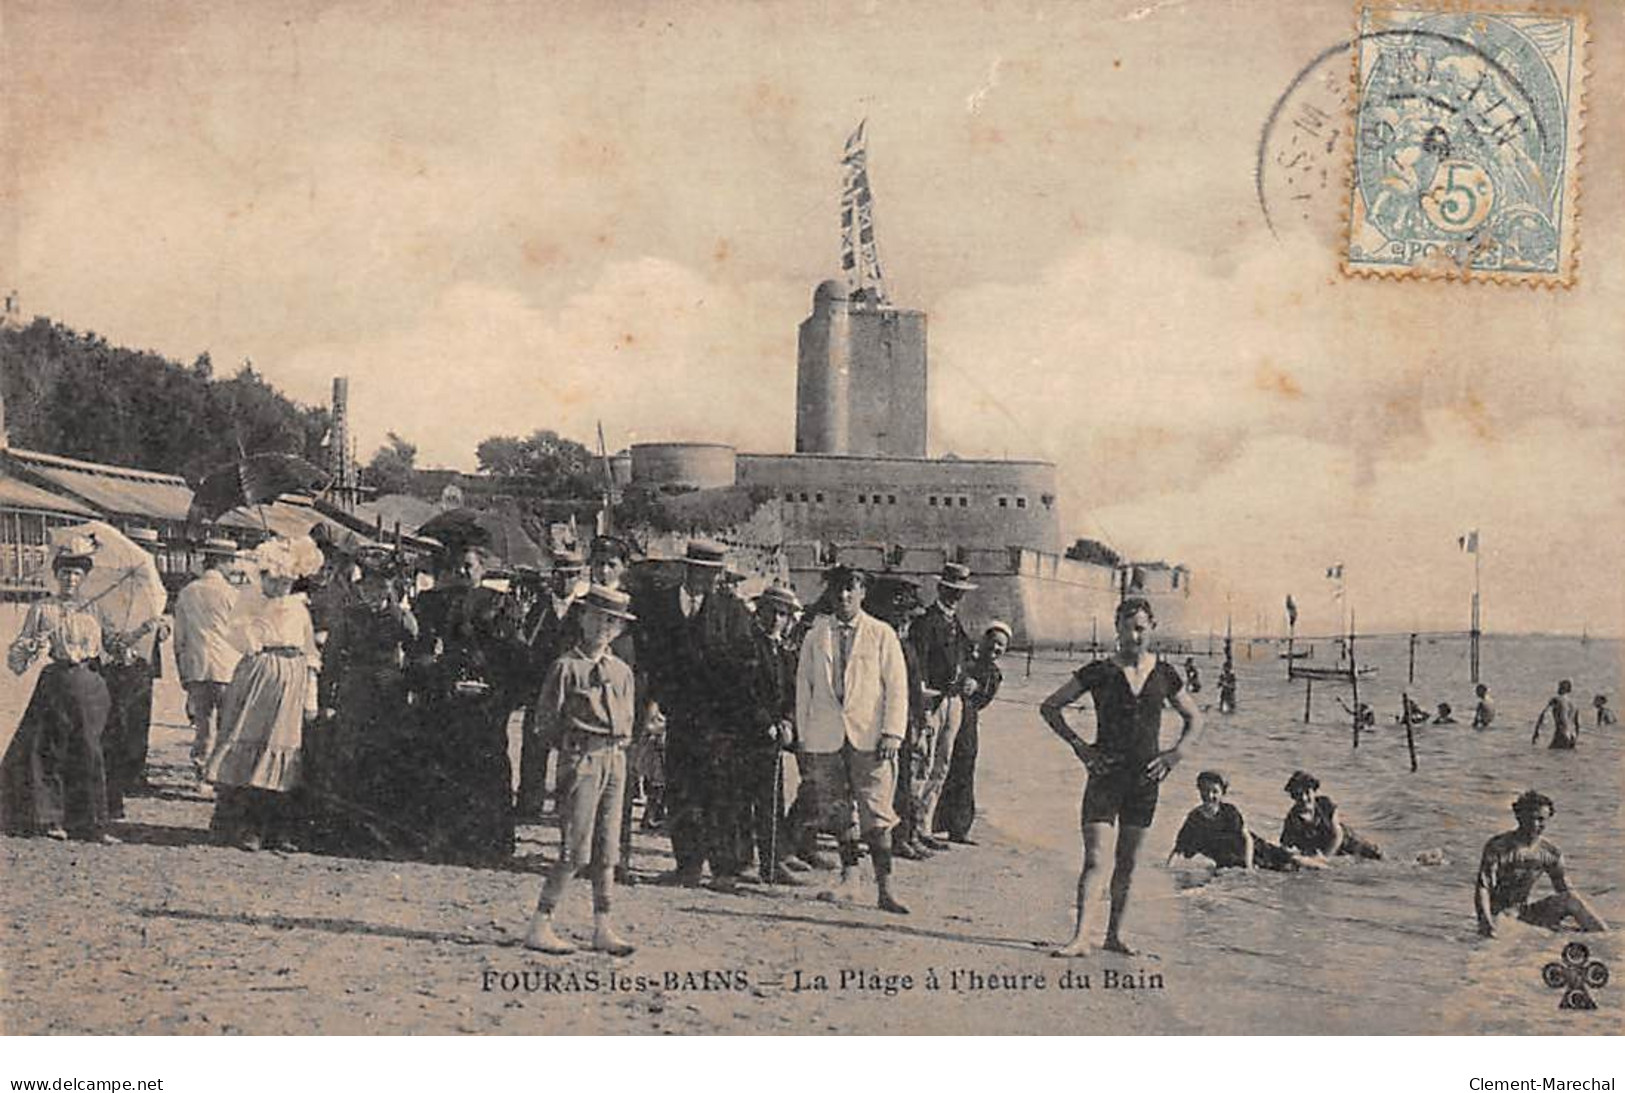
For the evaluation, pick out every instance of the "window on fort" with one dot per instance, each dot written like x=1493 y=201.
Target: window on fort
x=932 y=501
x=891 y=499
x=789 y=497
x=1021 y=502
x=819 y=498
x=964 y=502
x=804 y=497
x=862 y=499
x=1004 y=502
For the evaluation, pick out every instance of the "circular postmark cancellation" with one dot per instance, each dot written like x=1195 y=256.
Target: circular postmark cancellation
x=1463 y=134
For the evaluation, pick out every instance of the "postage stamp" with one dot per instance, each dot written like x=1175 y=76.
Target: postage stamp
x=1467 y=145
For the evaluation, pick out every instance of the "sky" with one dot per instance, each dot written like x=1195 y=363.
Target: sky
x=497 y=217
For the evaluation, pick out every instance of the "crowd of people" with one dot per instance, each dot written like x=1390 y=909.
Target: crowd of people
x=342 y=703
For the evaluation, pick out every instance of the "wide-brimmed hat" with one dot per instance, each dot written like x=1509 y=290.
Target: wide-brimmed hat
x=955 y=576
x=224 y=547
x=706 y=552
x=780 y=596
x=610 y=546
x=1002 y=627
x=837 y=575
x=611 y=601
x=76 y=553
x=144 y=536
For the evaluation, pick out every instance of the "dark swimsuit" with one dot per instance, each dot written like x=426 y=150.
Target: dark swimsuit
x=1219 y=837
x=1127 y=728
x=1317 y=835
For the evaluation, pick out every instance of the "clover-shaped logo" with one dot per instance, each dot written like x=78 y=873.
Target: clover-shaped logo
x=1576 y=975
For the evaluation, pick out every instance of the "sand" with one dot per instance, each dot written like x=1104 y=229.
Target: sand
x=167 y=934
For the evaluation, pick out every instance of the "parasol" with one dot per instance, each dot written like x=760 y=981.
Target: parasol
x=253 y=480
x=124 y=586
x=498 y=532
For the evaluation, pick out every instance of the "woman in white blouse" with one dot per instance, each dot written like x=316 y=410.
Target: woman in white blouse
x=52 y=779
x=256 y=764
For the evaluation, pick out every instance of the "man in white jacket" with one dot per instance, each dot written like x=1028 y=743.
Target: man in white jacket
x=203 y=657
x=851 y=714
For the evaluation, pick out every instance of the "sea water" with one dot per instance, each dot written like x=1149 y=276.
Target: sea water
x=1379 y=947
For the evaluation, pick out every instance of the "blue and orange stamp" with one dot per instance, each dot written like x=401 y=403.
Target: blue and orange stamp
x=1467 y=136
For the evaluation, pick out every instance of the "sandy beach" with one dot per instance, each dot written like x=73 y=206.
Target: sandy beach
x=166 y=934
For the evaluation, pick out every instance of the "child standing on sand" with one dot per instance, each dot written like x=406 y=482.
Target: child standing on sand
x=586 y=708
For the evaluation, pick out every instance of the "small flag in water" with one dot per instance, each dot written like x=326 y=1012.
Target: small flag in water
x=1291 y=611
x=1468 y=542
x=1334 y=572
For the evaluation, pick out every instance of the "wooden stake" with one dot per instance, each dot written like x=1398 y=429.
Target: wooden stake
x=1410 y=735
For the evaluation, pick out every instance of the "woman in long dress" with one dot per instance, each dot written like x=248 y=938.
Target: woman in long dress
x=52 y=779
x=256 y=765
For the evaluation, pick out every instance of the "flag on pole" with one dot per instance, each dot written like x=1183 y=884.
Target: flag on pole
x=854 y=143
x=1291 y=611
x=1469 y=542
x=1334 y=572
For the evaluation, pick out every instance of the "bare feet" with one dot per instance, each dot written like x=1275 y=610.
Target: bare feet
x=1072 y=949
x=541 y=938
x=1115 y=944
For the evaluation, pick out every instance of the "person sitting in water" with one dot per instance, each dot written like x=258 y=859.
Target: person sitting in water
x=1216 y=829
x=1565 y=717
x=1445 y=715
x=1312 y=827
x=1605 y=716
x=1413 y=713
x=1514 y=860
x=1227 y=688
x=1484 y=712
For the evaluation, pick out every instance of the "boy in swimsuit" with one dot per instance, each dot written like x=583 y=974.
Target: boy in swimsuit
x=1126 y=762
x=1565 y=717
x=1484 y=712
x=1605 y=716
x=1514 y=860
x=1216 y=829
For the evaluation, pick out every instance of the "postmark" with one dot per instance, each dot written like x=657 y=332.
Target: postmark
x=1466 y=145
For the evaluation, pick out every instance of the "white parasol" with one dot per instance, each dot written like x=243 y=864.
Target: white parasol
x=123 y=586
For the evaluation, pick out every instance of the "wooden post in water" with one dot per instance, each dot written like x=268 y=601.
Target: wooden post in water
x=1308 y=690
x=1354 y=680
x=1411 y=672
x=1410 y=734
x=1291 y=637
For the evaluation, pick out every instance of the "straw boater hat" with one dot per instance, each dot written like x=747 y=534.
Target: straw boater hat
x=781 y=597
x=610 y=601
x=223 y=547
x=957 y=576
x=706 y=552
x=144 y=536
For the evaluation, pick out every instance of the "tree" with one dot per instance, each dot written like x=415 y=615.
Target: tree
x=392 y=466
x=563 y=468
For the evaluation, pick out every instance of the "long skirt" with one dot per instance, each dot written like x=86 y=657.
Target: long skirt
x=462 y=743
x=261 y=732
x=52 y=774
x=129 y=729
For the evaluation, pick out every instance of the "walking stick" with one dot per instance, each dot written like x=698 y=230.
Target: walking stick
x=771 y=869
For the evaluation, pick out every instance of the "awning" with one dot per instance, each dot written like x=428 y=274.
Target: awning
x=15 y=494
x=114 y=491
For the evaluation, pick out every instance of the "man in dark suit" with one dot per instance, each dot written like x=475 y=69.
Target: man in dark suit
x=694 y=644
x=770 y=731
x=944 y=650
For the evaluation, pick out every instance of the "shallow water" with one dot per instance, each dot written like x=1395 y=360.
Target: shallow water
x=1386 y=946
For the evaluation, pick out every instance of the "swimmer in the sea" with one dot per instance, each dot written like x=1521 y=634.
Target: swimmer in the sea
x=1514 y=860
x=1312 y=825
x=1484 y=712
x=1217 y=830
x=1605 y=716
x=1565 y=717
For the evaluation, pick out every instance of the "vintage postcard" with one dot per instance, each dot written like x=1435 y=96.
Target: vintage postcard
x=765 y=518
